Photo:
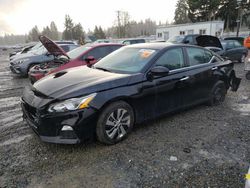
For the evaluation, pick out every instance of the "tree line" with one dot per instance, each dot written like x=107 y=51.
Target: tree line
x=123 y=27
x=206 y=10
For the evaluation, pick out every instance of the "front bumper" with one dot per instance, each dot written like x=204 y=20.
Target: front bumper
x=16 y=69
x=50 y=127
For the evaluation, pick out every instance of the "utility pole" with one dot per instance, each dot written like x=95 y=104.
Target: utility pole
x=119 y=23
x=239 y=17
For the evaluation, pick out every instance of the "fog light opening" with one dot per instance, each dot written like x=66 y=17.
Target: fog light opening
x=67 y=128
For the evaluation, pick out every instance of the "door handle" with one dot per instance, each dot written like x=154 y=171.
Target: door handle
x=184 y=78
x=214 y=68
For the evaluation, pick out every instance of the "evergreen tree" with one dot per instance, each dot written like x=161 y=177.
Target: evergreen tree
x=54 y=31
x=78 y=33
x=46 y=32
x=99 y=33
x=181 y=12
x=34 y=34
x=68 y=31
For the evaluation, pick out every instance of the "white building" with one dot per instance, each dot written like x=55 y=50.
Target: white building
x=214 y=28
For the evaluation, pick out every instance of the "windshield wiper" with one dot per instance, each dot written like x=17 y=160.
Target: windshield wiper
x=103 y=69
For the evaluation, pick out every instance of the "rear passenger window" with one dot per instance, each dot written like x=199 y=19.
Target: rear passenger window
x=198 y=56
x=99 y=52
x=113 y=48
x=172 y=59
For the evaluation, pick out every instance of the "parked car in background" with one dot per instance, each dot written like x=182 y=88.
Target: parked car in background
x=70 y=45
x=129 y=86
x=23 y=50
x=45 y=53
x=20 y=55
x=233 y=50
x=133 y=41
x=230 y=49
x=239 y=39
x=184 y=39
x=83 y=55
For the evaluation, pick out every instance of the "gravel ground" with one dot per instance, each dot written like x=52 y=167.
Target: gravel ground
x=200 y=147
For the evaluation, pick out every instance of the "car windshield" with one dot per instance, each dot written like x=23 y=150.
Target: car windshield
x=126 y=60
x=73 y=54
x=176 y=39
x=41 y=50
x=224 y=44
x=37 y=46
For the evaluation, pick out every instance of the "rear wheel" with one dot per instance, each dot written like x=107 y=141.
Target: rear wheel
x=218 y=94
x=115 y=123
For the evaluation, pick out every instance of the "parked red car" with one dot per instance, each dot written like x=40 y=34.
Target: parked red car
x=83 y=55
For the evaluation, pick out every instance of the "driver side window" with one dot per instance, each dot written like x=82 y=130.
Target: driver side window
x=172 y=59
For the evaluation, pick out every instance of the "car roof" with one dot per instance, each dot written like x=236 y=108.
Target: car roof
x=228 y=41
x=156 y=45
x=103 y=44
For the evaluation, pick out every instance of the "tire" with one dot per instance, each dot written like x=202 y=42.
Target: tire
x=218 y=94
x=242 y=59
x=109 y=129
x=248 y=75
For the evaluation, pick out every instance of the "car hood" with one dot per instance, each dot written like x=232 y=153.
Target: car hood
x=52 y=47
x=208 y=41
x=79 y=81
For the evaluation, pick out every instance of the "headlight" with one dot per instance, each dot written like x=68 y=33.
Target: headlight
x=72 y=104
x=21 y=61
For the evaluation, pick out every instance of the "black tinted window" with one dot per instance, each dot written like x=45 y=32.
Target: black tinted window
x=198 y=56
x=98 y=52
x=172 y=59
x=65 y=48
x=230 y=45
x=113 y=48
x=237 y=44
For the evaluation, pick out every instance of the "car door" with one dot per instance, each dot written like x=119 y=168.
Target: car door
x=170 y=89
x=238 y=49
x=230 y=52
x=201 y=77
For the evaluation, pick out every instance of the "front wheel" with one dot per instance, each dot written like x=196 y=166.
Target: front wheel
x=115 y=123
x=218 y=94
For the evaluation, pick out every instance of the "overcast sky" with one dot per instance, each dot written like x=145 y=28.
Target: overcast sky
x=19 y=16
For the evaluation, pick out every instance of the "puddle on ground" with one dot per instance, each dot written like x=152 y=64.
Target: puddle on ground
x=15 y=140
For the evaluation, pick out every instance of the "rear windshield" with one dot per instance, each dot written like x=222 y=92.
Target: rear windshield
x=176 y=39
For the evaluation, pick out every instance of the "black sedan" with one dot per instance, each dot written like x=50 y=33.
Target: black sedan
x=129 y=86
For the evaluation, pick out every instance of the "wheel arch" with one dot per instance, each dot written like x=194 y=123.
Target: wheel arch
x=126 y=99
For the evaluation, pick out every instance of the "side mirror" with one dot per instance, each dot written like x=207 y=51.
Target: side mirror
x=89 y=59
x=186 y=42
x=159 y=71
x=48 y=54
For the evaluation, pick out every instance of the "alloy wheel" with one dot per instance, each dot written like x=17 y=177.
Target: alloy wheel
x=117 y=124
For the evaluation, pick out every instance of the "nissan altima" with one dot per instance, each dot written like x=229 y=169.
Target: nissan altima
x=129 y=86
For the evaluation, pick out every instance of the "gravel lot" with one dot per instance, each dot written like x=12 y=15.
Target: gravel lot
x=200 y=147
